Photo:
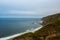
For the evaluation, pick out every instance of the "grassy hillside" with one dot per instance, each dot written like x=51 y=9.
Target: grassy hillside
x=50 y=30
x=50 y=18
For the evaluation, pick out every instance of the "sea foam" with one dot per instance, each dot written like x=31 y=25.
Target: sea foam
x=16 y=35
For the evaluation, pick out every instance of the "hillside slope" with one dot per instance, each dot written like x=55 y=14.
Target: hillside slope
x=49 y=31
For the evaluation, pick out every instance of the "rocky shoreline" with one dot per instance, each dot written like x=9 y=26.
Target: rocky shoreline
x=49 y=31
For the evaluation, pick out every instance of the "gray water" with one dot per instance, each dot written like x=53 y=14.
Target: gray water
x=10 y=26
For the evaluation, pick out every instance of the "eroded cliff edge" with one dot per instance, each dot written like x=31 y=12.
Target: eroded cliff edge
x=49 y=31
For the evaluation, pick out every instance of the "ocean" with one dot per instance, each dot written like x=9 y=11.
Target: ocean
x=11 y=26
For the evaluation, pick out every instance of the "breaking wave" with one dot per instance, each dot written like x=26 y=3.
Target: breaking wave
x=6 y=38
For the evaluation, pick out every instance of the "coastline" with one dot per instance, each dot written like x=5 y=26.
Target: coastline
x=19 y=34
x=49 y=30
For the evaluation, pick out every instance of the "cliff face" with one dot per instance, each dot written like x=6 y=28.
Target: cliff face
x=50 y=18
x=50 y=31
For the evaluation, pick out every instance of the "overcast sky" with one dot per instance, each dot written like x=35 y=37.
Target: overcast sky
x=28 y=8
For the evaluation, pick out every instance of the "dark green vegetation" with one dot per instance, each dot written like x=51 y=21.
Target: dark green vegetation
x=50 y=30
x=27 y=36
x=50 y=18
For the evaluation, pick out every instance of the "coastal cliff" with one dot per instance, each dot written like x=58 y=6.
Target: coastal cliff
x=50 y=18
x=49 y=31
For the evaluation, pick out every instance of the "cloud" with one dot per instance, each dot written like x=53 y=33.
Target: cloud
x=21 y=12
x=31 y=4
x=29 y=7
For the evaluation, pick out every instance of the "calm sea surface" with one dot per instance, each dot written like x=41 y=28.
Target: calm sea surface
x=10 y=26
